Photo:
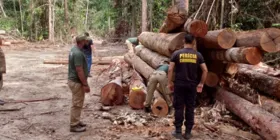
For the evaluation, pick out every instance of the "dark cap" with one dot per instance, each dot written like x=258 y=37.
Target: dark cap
x=82 y=38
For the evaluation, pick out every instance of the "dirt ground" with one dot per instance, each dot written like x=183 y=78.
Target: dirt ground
x=28 y=78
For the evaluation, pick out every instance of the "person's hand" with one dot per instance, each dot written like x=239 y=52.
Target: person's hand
x=199 y=88
x=171 y=86
x=86 y=88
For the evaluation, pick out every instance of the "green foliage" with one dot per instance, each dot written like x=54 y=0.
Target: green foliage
x=7 y=23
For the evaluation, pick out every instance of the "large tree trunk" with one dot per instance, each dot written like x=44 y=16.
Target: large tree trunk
x=21 y=16
x=66 y=14
x=212 y=79
x=152 y=58
x=261 y=121
x=112 y=92
x=219 y=39
x=247 y=92
x=198 y=28
x=262 y=68
x=51 y=26
x=159 y=107
x=162 y=43
x=144 y=16
x=2 y=8
x=133 y=19
x=250 y=55
x=138 y=91
x=264 y=83
x=176 y=17
x=139 y=65
x=266 y=39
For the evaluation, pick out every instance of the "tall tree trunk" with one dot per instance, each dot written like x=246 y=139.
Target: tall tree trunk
x=66 y=15
x=86 y=21
x=222 y=14
x=151 y=14
x=133 y=19
x=21 y=17
x=144 y=15
x=2 y=8
x=51 y=26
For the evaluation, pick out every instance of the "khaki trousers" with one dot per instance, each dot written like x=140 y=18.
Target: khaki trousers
x=158 y=77
x=78 y=96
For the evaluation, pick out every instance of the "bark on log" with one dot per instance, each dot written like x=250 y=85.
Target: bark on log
x=264 y=83
x=138 y=64
x=112 y=93
x=159 y=107
x=138 y=91
x=219 y=39
x=212 y=79
x=152 y=58
x=248 y=93
x=164 y=44
x=129 y=46
x=262 y=68
x=266 y=39
x=198 y=28
x=176 y=17
x=249 y=55
x=261 y=121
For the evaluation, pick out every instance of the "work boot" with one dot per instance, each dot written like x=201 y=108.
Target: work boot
x=177 y=134
x=82 y=124
x=147 y=109
x=188 y=136
x=77 y=128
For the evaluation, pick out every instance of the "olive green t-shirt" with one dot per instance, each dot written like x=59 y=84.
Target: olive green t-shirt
x=76 y=58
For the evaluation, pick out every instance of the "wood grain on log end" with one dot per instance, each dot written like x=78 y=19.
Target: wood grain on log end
x=160 y=107
x=226 y=39
x=197 y=28
x=253 y=55
x=231 y=69
x=137 y=99
x=270 y=40
x=112 y=94
x=212 y=79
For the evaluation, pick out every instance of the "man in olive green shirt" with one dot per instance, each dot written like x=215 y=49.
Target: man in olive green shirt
x=159 y=76
x=77 y=82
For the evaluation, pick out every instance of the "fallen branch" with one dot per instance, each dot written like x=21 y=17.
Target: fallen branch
x=10 y=109
x=35 y=100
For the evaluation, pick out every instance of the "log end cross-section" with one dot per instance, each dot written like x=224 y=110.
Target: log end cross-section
x=270 y=40
x=159 y=107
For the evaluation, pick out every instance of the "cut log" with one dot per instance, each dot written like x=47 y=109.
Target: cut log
x=65 y=62
x=248 y=55
x=152 y=58
x=176 y=17
x=159 y=107
x=112 y=92
x=198 y=28
x=231 y=69
x=96 y=60
x=138 y=91
x=130 y=46
x=219 y=39
x=164 y=44
x=262 y=68
x=261 y=121
x=264 y=83
x=248 y=93
x=266 y=39
x=212 y=79
x=138 y=64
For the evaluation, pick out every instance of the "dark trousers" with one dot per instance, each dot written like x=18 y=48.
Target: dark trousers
x=184 y=100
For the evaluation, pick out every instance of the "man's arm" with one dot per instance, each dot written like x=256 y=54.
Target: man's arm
x=170 y=75
x=204 y=73
x=81 y=75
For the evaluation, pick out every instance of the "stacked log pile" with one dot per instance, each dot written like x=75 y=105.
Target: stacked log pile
x=249 y=89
